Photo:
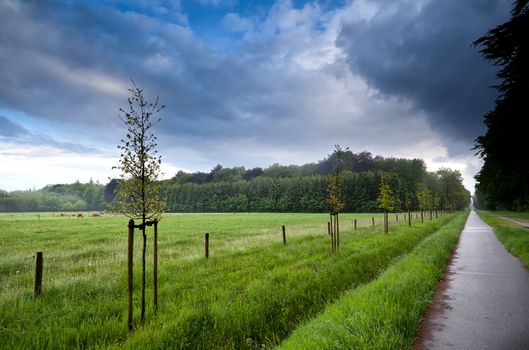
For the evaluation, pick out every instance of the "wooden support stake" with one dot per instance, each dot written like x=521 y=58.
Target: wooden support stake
x=130 y=272
x=355 y=223
x=337 y=222
x=373 y=220
x=397 y=217
x=206 y=245
x=38 y=273
x=284 y=235
x=155 y=266
x=329 y=227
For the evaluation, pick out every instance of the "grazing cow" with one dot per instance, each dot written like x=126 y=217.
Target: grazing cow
x=80 y=215
x=96 y=215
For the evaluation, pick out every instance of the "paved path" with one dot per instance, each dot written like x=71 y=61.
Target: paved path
x=484 y=303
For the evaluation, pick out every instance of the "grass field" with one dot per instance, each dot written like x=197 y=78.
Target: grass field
x=251 y=293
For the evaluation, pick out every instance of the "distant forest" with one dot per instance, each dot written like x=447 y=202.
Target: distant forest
x=278 y=188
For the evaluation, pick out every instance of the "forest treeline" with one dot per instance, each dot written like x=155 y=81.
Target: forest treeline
x=503 y=181
x=278 y=188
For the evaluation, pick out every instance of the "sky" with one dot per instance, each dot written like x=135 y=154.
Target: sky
x=245 y=83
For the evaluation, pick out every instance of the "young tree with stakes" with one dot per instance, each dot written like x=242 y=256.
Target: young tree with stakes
x=138 y=195
x=334 y=196
x=385 y=200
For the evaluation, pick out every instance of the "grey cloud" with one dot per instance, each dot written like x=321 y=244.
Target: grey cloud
x=422 y=52
x=14 y=133
x=9 y=128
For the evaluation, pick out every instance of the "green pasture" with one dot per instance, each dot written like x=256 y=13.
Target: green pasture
x=251 y=293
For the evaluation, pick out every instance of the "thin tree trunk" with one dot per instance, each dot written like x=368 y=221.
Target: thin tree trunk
x=332 y=232
x=143 y=273
x=385 y=222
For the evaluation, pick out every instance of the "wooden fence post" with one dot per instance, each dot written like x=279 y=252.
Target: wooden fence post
x=355 y=223
x=155 y=266
x=130 y=272
x=284 y=235
x=373 y=220
x=397 y=217
x=329 y=227
x=206 y=245
x=38 y=273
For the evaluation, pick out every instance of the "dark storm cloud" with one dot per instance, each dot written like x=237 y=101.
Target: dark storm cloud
x=421 y=51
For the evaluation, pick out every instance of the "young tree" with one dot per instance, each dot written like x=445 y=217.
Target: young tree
x=424 y=200
x=334 y=196
x=407 y=205
x=385 y=200
x=137 y=194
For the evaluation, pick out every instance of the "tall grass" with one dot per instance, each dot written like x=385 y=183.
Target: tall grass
x=513 y=237
x=385 y=313
x=252 y=292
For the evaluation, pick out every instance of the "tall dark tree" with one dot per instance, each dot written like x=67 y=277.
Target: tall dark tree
x=504 y=179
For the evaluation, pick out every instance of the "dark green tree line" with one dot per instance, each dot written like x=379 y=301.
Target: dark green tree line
x=291 y=188
x=503 y=181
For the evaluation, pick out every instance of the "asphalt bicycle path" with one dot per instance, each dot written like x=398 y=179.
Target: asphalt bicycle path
x=483 y=302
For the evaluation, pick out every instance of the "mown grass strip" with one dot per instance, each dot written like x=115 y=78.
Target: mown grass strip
x=513 y=237
x=385 y=313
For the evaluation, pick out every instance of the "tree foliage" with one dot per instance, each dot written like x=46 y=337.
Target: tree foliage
x=503 y=181
x=138 y=193
x=334 y=187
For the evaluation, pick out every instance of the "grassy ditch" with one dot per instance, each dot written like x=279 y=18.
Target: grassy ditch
x=513 y=237
x=252 y=292
x=385 y=313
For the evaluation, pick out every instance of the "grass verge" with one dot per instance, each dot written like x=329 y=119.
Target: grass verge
x=513 y=237
x=385 y=313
